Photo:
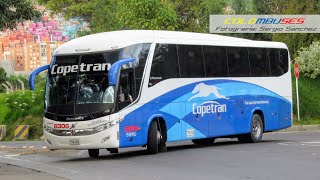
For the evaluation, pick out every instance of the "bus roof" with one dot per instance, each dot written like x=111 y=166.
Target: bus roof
x=117 y=39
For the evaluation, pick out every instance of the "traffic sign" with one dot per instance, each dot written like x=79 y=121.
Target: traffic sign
x=296 y=70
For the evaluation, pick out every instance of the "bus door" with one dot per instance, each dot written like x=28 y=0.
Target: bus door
x=130 y=133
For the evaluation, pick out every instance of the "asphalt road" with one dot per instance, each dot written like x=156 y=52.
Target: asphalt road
x=283 y=156
x=11 y=172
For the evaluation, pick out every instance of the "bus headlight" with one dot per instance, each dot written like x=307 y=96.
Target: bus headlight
x=47 y=128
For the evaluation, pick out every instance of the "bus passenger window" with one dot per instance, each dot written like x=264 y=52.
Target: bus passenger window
x=275 y=65
x=259 y=62
x=164 y=63
x=238 y=62
x=216 y=63
x=191 y=61
x=284 y=61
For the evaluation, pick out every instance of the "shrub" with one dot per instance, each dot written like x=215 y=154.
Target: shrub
x=309 y=60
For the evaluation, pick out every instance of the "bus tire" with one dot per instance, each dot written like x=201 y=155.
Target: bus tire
x=93 y=153
x=256 y=131
x=162 y=145
x=153 y=138
x=205 y=141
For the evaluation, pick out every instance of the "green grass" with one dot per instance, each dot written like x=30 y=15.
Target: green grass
x=307 y=121
x=309 y=97
x=22 y=108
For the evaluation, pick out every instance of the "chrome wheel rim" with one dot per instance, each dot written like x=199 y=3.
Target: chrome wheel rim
x=256 y=129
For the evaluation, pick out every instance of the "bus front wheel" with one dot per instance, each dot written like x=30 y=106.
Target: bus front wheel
x=156 y=142
x=93 y=153
x=256 y=132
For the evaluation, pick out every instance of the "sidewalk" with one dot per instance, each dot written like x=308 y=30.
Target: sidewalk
x=302 y=128
x=24 y=147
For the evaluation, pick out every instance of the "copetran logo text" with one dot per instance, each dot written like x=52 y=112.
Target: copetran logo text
x=202 y=91
x=64 y=70
x=209 y=107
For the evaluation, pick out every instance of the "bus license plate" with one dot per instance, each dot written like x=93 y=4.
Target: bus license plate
x=74 y=141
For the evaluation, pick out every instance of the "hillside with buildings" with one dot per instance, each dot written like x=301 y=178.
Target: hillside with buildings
x=31 y=43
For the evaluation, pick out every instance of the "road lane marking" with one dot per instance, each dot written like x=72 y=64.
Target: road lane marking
x=12 y=155
x=305 y=144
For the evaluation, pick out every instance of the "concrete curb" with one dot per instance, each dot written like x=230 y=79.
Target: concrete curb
x=302 y=128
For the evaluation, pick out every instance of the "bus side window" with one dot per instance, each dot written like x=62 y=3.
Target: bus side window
x=215 y=59
x=164 y=64
x=284 y=61
x=142 y=55
x=238 y=62
x=275 y=64
x=191 y=61
x=259 y=62
x=125 y=88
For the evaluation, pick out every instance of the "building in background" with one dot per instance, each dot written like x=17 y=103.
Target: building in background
x=1 y=51
x=47 y=50
x=31 y=44
x=19 y=59
x=33 y=56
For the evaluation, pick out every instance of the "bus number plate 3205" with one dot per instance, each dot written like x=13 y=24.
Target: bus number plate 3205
x=74 y=141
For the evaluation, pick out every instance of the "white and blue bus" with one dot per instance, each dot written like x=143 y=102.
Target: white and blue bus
x=148 y=88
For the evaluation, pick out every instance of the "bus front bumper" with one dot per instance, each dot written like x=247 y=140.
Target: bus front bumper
x=108 y=138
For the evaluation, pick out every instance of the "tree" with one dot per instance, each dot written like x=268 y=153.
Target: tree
x=209 y=7
x=294 y=40
x=136 y=14
x=193 y=15
x=309 y=60
x=3 y=78
x=13 y=11
x=118 y=14
x=71 y=8
x=183 y=15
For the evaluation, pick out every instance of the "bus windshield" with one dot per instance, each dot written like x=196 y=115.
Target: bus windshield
x=78 y=85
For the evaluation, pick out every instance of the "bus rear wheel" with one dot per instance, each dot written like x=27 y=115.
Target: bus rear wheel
x=256 y=132
x=205 y=141
x=93 y=153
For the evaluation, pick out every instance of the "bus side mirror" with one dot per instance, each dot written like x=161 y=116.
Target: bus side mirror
x=115 y=69
x=34 y=73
